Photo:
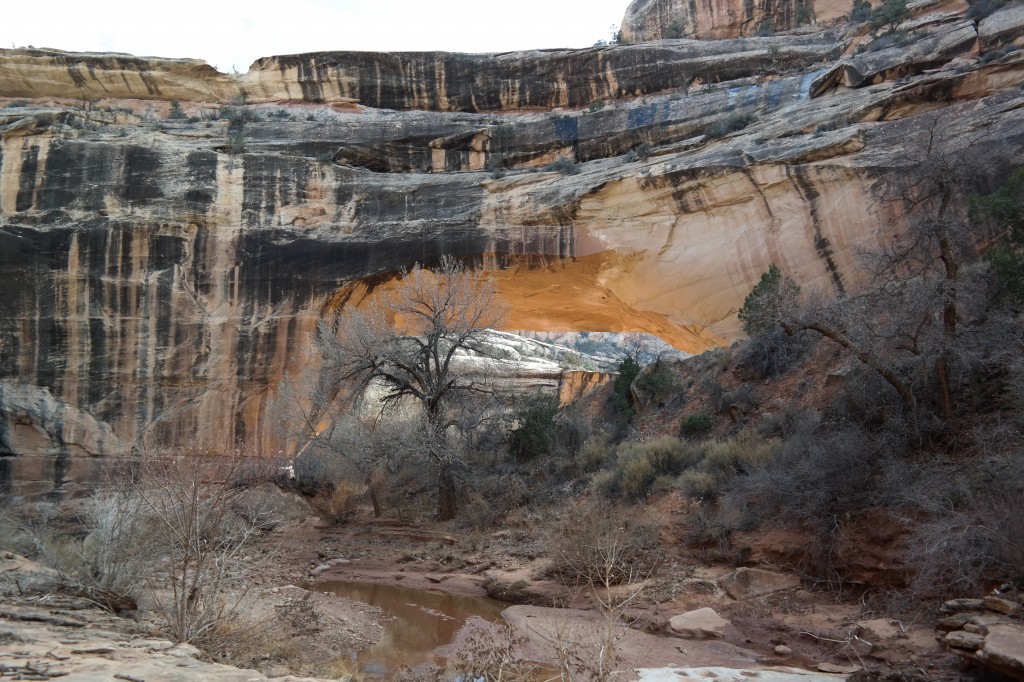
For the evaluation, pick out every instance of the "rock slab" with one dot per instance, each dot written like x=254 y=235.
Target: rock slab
x=702 y=623
x=746 y=583
x=1004 y=650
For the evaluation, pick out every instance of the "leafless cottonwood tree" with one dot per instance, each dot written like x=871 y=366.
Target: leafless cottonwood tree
x=404 y=343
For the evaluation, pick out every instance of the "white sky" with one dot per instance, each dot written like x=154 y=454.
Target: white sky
x=231 y=34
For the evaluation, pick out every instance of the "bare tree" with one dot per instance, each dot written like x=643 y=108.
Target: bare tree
x=405 y=344
x=929 y=256
x=190 y=504
x=908 y=323
x=606 y=556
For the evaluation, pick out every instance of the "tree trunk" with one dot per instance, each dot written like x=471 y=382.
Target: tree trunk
x=952 y=268
x=869 y=359
x=374 y=498
x=447 y=498
x=945 y=397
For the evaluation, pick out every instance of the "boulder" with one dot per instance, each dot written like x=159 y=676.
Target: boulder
x=21 y=576
x=328 y=565
x=1003 y=650
x=969 y=641
x=702 y=623
x=1000 y=605
x=983 y=621
x=745 y=583
x=269 y=506
x=954 y=622
x=961 y=605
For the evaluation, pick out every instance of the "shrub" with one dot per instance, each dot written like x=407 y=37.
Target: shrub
x=715 y=392
x=638 y=465
x=675 y=30
x=1003 y=210
x=975 y=530
x=563 y=165
x=699 y=484
x=639 y=152
x=176 y=112
x=771 y=352
x=13 y=536
x=628 y=370
x=867 y=401
x=621 y=399
x=596 y=545
x=744 y=397
x=729 y=125
x=861 y=11
x=572 y=429
x=763 y=306
x=786 y=423
x=593 y=455
x=111 y=561
x=979 y=9
x=492 y=497
x=534 y=430
x=636 y=475
x=695 y=424
x=894 y=38
x=492 y=657
x=816 y=475
x=766 y=28
x=890 y=14
x=659 y=382
x=742 y=454
x=607 y=483
x=995 y=55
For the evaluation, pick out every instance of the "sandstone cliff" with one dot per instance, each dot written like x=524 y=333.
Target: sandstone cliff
x=163 y=262
x=647 y=20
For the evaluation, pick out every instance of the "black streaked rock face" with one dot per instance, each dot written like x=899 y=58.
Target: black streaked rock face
x=160 y=276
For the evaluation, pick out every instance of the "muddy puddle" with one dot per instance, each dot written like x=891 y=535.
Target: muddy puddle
x=416 y=623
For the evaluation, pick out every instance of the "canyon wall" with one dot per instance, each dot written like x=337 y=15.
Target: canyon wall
x=647 y=20
x=163 y=262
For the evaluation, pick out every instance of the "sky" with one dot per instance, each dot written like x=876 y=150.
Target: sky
x=231 y=35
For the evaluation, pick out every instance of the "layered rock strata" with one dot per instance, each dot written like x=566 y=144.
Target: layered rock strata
x=647 y=20
x=163 y=262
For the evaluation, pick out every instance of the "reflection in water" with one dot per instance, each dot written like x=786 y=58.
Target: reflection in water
x=416 y=623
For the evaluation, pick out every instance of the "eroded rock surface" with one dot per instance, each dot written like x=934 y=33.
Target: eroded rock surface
x=667 y=19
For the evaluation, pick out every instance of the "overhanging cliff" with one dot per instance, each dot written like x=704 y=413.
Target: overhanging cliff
x=164 y=261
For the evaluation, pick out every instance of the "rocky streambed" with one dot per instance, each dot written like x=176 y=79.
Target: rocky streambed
x=377 y=600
